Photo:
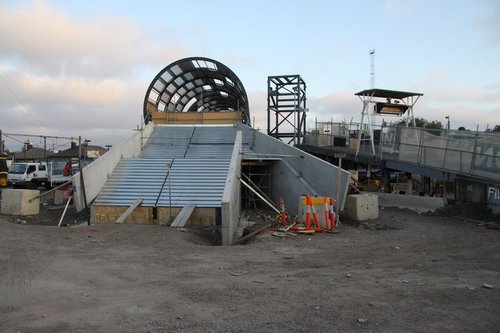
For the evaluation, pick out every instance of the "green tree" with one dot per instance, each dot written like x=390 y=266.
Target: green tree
x=423 y=123
x=434 y=125
x=496 y=128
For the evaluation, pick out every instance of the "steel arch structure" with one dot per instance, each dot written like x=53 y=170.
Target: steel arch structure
x=196 y=84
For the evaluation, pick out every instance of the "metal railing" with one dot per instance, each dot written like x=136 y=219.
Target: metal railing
x=475 y=154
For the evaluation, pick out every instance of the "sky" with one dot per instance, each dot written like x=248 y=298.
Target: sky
x=82 y=68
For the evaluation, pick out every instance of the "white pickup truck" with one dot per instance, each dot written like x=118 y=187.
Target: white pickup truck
x=34 y=174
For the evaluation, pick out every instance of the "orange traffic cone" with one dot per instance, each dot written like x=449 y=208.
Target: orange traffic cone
x=282 y=208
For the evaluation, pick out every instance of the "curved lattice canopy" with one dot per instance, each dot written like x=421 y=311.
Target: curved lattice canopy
x=196 y=85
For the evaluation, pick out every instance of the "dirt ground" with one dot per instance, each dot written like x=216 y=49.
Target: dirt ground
x=403 y=272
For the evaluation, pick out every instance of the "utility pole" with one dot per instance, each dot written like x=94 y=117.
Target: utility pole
x=372 y=68
x=1 y=142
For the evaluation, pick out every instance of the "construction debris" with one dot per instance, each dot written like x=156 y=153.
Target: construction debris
x=298 y=226
x=252 y=234
x=495 y=226
x=282 y=234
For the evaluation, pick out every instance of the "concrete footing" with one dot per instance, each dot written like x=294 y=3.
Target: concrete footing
x=362 y=206
x=16 y=202
x=144 y=215
x=413 y=202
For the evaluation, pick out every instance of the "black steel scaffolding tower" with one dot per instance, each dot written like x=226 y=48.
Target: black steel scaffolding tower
x=286 y=99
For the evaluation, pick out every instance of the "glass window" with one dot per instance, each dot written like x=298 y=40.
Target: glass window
x=179 y=81
x=18 y=169
x=153 y=96
x=159 y=85
x=167 y=77
x=161 y=106
x=176 y=70
x=165 y=97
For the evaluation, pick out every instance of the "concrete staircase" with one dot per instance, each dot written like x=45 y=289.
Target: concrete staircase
x=179 y=166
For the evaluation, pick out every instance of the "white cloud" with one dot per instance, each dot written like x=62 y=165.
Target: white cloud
x=52 y=43
x=74 y=76
x=258 y=109
x=66 y=76
x=339 y=106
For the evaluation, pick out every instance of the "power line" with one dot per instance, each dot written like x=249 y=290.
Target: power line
x=12 y=138
x=24 y=106
x=41 y=136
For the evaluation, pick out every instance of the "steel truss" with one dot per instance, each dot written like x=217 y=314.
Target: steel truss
x=286 y=100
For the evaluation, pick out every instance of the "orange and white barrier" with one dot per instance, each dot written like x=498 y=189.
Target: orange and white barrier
x=332 y=214
x=326 y=202
x=310 y=207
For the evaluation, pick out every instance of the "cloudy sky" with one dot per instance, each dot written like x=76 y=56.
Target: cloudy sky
x=81 y=68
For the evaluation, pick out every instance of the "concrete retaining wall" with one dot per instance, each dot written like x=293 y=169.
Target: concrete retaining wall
x=298 y=173
x=470 y=190
x=413 y=202
x=231 y=198
x=96 y=173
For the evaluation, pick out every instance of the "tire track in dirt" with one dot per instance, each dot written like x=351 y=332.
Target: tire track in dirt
x=15 y=278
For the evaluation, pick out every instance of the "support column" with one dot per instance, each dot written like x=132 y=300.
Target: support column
x=427 y=185
x=409 y=183
x=387 y=180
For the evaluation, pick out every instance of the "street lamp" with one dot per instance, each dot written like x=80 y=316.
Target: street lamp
x=448 y=122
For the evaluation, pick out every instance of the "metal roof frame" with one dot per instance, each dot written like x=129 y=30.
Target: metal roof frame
x=197 y=84
x=385 y=93
x=367 y=96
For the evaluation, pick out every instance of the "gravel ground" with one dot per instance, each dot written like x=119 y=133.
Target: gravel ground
x=403 y=272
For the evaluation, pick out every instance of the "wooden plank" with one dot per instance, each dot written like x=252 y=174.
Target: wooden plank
x=129 y=211
x=252 y=234
x=231 y=117
x=184 y=215
x=64 y=212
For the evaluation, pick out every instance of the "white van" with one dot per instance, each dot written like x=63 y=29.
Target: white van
x=30 y=173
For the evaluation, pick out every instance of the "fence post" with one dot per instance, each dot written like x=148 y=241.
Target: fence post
x=474 y=154
x=420 y=147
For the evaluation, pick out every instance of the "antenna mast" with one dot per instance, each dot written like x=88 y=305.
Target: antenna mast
x=372 y=68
